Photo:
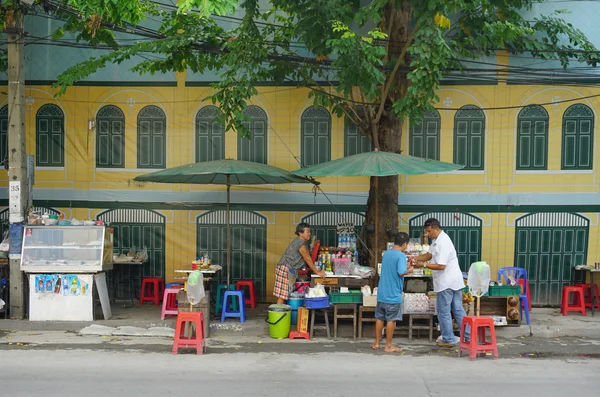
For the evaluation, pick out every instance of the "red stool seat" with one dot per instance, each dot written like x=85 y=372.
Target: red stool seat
x=251 y=297
x=169 y=306
x=197 y=340
x=154 y=293
x=478 y=342
x=578 y=304
x=588 y=291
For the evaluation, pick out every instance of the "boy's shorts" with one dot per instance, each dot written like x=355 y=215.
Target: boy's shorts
x=388 y=312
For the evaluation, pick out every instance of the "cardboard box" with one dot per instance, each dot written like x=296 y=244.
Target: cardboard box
x=302 y=324
x=370 y=301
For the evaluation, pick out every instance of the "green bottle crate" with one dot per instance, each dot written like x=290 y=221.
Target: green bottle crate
x=505 y=290
x=345 y=297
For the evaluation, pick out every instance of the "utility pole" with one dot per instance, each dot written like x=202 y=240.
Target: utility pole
x=17 y=171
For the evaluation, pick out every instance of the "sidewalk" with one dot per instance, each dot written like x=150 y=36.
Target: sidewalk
x=140 y=328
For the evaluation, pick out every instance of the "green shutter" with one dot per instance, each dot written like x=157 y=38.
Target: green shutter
x=424 y=137
x=50 y=137
x=254 y=148
x=315 y=136
x=355 y=141
x=210 y=135
x=110 y=138
x=151 y=130
x=469 y=138
x=578 y=138
x=4 y=134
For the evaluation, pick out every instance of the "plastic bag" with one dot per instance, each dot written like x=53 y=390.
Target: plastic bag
x=195 y=287
x=5 y=245
x=479 y=278
x=362 y=271
x=318 y=291
x=2 y=303
x=142 y=255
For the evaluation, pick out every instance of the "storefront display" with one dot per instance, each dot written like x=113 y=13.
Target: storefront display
x=64 y=263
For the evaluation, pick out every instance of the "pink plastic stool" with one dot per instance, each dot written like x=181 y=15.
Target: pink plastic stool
x=169 y=305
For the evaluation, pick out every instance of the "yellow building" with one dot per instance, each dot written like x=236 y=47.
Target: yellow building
x=528 y=195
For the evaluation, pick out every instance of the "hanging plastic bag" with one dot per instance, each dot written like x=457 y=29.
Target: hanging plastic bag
x=195 y=287
x=479 y=279
x=5 y=245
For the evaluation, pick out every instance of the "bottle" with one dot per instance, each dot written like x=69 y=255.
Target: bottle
x=355 y=257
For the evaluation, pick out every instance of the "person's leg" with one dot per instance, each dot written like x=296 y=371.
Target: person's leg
x=443 y=306
x=378 y=330
x=281 y=288
x=389 y=334
x=459 y=311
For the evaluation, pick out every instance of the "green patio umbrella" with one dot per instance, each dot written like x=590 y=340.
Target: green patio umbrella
x=224 y=172
x=377 y=163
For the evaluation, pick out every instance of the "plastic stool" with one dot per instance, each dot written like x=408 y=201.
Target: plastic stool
x=227 y=312
x=219 y=300
x=197 y=341
x=587 y=289
x=251 y=291
x=478 y=342
x=174 y=285
x=157 y=284
x=578 y=304
x=169 y=305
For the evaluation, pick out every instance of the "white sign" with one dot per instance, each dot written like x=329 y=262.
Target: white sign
x=14 y=201
x=345 y=228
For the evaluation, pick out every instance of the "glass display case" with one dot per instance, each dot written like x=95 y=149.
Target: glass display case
x=67 y=249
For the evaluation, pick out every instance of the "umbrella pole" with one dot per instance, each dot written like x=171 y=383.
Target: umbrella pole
x=228 y=234
x=376 y=222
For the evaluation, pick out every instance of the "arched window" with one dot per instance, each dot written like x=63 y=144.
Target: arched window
x=469 y=138
x=152 y=138
x=210 y=135
x=316 y=136
x=3 y=134
x=50 y=137
x=254 y=148
x=425 y=136
x=532 y=138
x=578 y=138
x=110 y=138
x=355 y=141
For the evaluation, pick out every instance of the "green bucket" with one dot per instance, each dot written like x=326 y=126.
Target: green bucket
x=279 y=321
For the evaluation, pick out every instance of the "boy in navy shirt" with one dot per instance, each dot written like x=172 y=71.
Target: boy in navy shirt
x=389 y=292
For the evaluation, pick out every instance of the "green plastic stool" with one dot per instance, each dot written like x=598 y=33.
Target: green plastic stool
x=219 y=303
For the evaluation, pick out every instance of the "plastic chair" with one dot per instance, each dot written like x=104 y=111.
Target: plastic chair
x=219 y=300
x=589 y=293
x=169 y=305
x=315 y=250
x=251 y=299
x=157 y=285
x=578 y=304
x=196 y=341
x=517 y=273
x=478 y=342
x=241 y=313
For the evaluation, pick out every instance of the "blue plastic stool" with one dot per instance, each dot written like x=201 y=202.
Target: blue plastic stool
x=171 y=285
x=219 y=301
x=241 y=313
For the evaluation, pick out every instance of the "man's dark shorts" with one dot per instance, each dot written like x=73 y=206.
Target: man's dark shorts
x=388 y=312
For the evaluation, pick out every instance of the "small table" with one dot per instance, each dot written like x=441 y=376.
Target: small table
x=592 y=290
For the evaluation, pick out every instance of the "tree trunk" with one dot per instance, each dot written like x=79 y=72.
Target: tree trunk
x=383 y=193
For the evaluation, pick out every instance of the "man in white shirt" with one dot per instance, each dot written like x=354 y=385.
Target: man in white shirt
x=448 y=281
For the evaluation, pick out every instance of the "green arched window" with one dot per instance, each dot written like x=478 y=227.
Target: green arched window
x=210 y=135
x=469 y=138
x=578 y=138
x=254 y=148
x=152 y=138
x=50 y=137
x=355 y=141
x=425 y=136
x=316 y=136
x=110 y=138
x=532 y=138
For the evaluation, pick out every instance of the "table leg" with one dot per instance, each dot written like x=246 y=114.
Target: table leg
x=592 y=291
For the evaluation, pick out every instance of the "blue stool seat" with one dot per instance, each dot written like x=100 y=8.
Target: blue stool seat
x=219 y=300
x=227 y=312
x=171 y=285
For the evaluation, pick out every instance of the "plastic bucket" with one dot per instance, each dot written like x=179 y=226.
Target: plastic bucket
x=279 y=321
x=295 y=303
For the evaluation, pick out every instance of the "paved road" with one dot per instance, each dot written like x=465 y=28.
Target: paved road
x=81 y=372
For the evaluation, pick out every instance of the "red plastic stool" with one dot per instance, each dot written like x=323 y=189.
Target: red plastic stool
x=251 y=290
x=169 y=306
x=578 y=304
x=587 y=289
x=478 y=342
x=157 y=284
x=196 y=341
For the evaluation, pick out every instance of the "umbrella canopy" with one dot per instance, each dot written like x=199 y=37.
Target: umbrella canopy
x=224 y=172
x=217 y=173
x=377 y=163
